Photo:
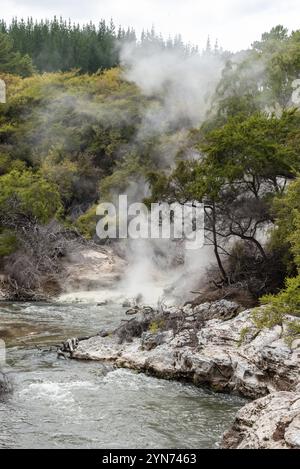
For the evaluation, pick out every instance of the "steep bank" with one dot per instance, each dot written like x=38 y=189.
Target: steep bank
x=215 y=345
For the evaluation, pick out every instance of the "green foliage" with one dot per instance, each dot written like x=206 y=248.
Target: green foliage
x=8 y=243
x=287 y=209
x=86 y=223
x=127 y=171
x=276 y=307
x=288 y=300
x=13 y=62
x=72 y=138
x=60 y=45
x=267 y=317
x=261 y=77
x=245 y=164
x=27 y=193
x=62 y=173
x=68 y=126
x=293 y=331
x=156 y=326
x=7 y=164
x=258 y=146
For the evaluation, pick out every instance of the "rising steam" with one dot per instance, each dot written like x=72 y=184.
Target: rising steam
x=181 y=88
x=181 y=84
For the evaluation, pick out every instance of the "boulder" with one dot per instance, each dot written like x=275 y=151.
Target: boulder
x=149 y=341
x=272 y=422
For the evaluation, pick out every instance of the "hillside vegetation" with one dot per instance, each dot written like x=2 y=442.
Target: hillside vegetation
x=71 y=138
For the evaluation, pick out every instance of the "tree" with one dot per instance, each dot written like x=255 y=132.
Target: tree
x=244 y=165
x=13 y=62
x=263 y=76
x=58 y=45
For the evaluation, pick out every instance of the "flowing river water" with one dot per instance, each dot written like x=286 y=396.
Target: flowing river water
x=73 y=404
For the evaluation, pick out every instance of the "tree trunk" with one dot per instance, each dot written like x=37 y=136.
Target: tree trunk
x=215 y=243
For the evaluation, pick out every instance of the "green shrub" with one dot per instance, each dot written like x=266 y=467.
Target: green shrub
x=277 y=306
x=267 y=317
x=287 y=301
x=293 y=331
x=8 y=243
x=27 y=193
x=156 y=326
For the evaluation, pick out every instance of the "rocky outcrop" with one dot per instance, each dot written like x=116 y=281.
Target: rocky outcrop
x=229 y=355
x=272 y=422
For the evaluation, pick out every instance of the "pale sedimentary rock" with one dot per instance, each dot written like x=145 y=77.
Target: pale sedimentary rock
x=272 y=422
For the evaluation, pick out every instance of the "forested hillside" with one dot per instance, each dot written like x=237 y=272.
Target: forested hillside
x=70 y=138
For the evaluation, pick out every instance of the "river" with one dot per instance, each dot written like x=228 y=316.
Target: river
x=72 y=404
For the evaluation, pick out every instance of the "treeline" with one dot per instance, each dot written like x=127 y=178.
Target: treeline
x=60 y=45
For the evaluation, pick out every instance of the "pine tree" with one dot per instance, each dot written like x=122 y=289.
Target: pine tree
x=208 y=45
x=13 y=62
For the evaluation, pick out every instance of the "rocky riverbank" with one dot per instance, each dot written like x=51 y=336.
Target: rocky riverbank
x=214 y=344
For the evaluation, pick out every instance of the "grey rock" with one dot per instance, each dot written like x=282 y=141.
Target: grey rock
x=150 y=341
x=272 y=422
x=222 y=309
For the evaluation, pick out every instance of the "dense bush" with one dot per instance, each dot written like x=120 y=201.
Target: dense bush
x=27 y=194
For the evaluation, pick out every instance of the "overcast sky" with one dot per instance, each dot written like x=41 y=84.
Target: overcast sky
x=236 y=23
